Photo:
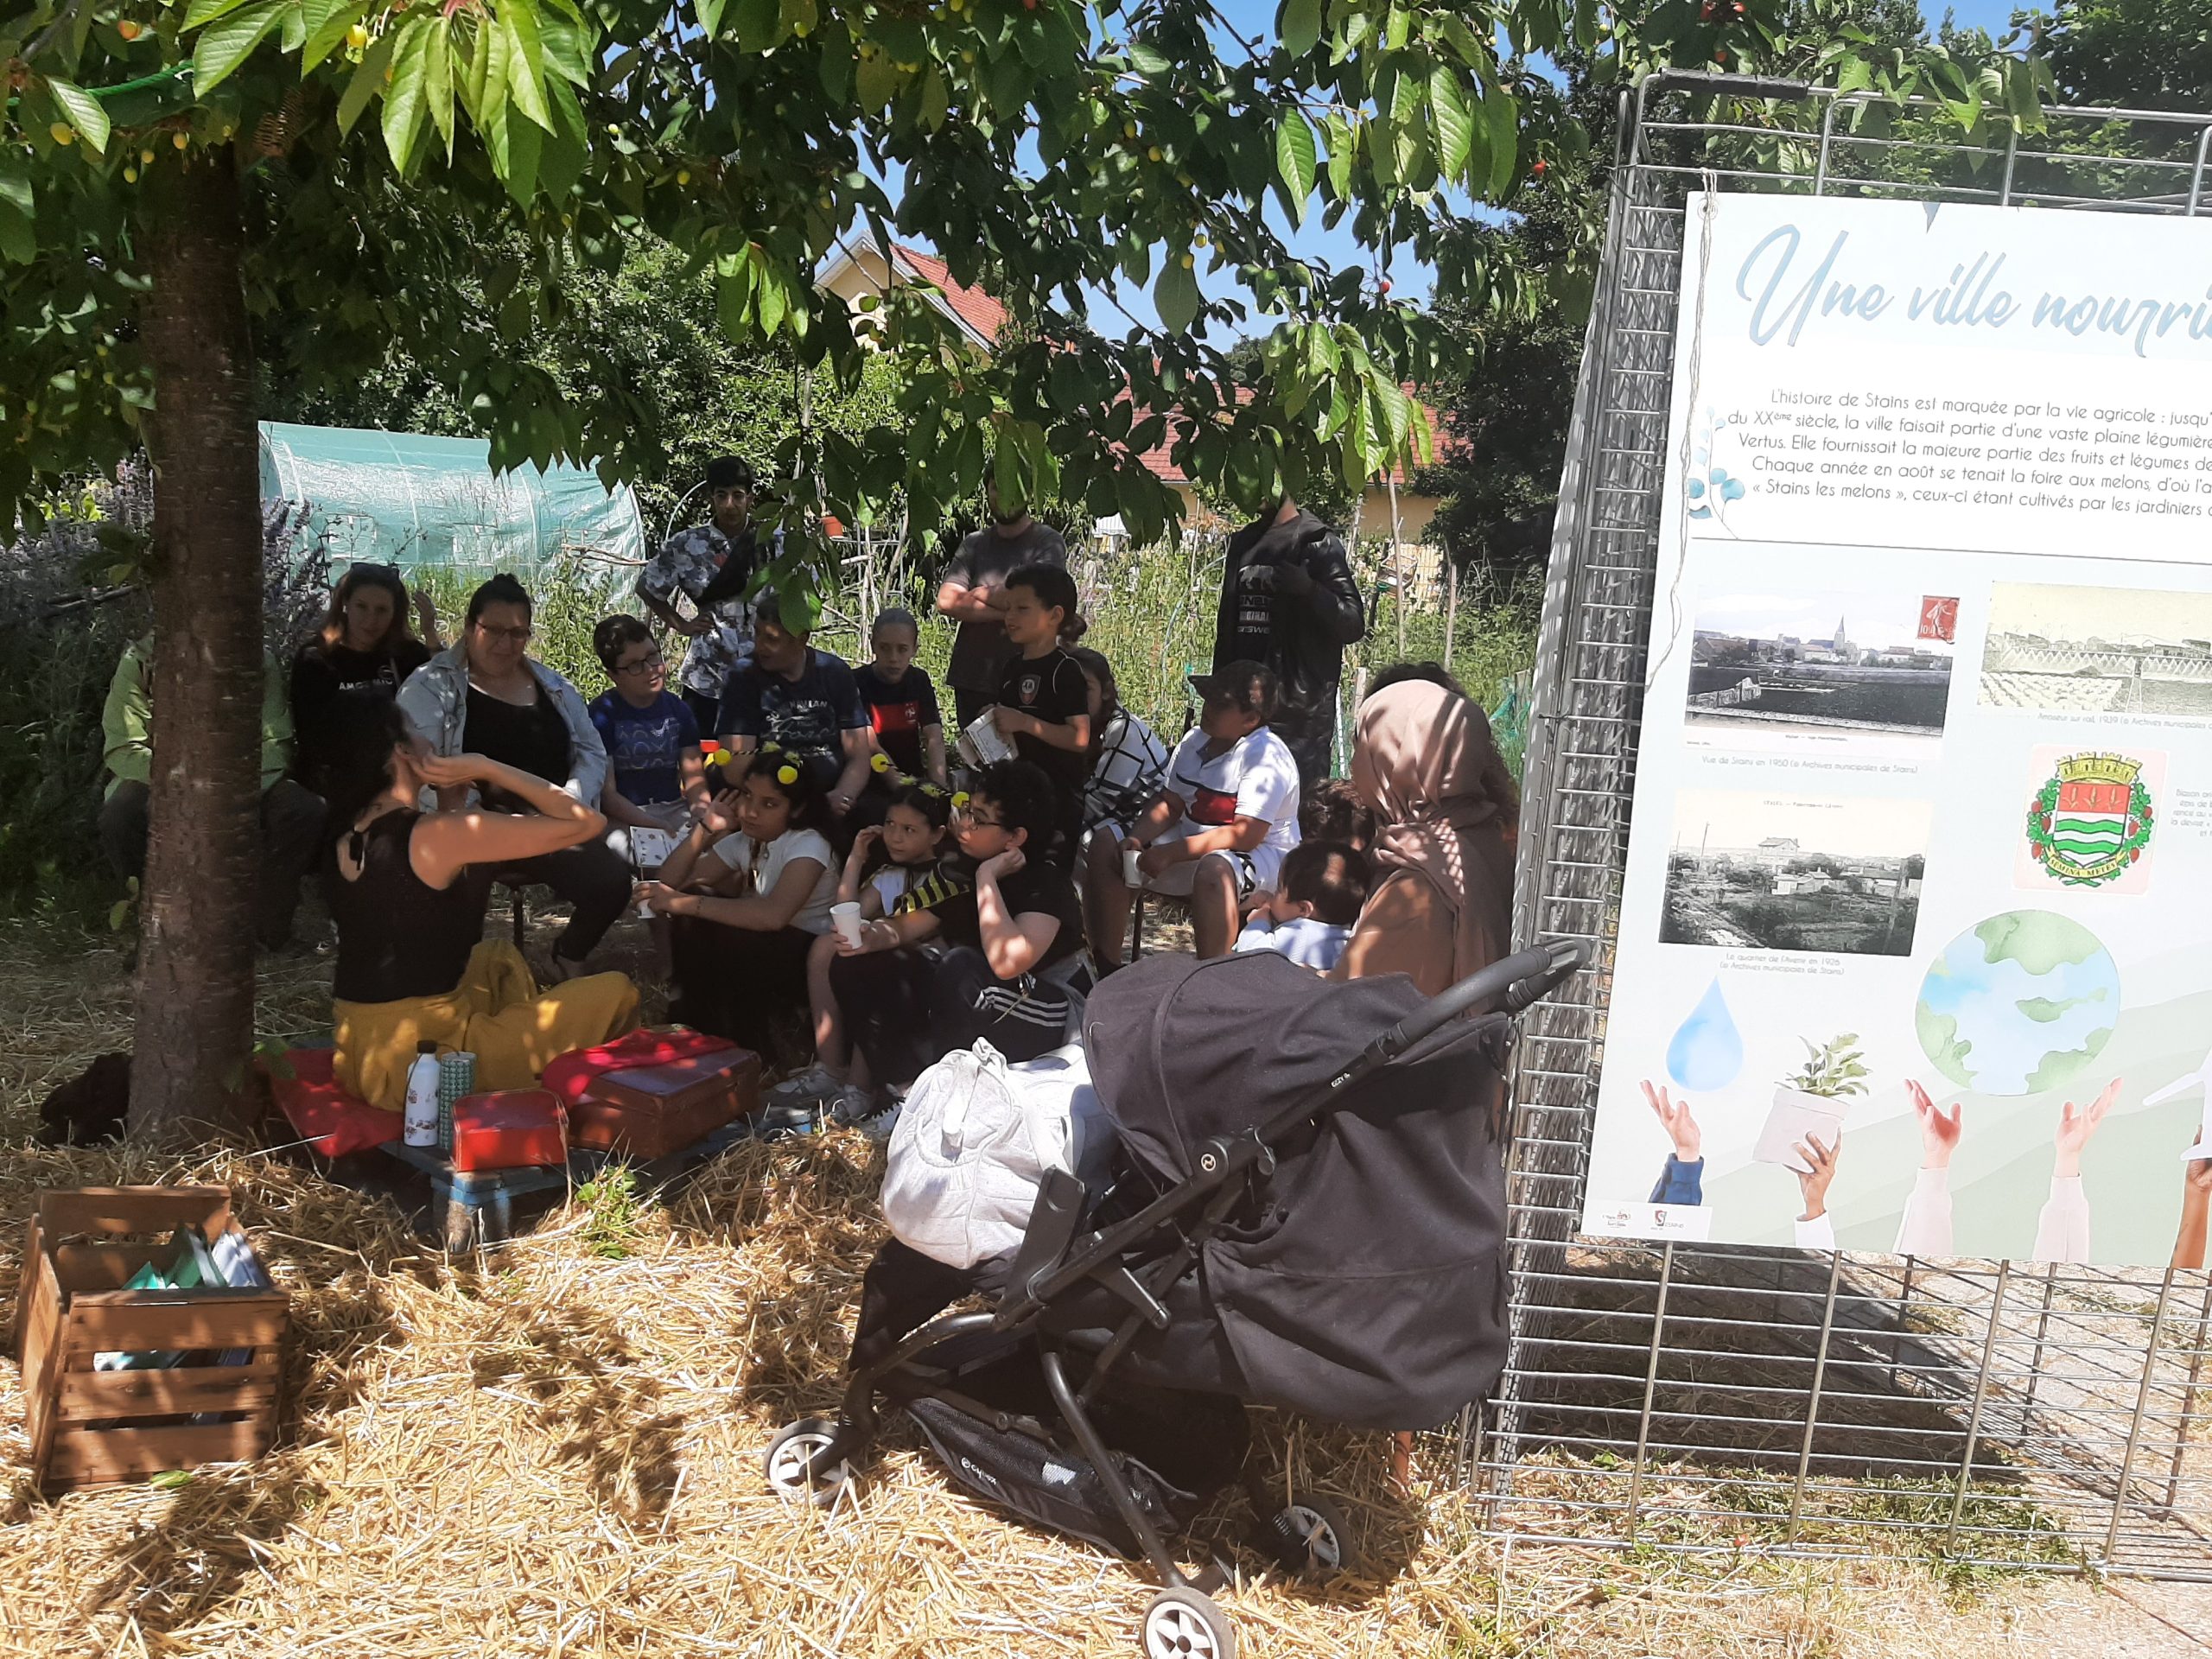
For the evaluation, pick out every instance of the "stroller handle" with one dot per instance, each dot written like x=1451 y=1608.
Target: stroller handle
x=1518 y=980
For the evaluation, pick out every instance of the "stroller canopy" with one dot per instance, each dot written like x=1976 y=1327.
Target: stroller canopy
x=1368 y=1286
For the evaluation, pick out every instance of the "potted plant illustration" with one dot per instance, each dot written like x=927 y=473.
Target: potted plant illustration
x=1810 y=1101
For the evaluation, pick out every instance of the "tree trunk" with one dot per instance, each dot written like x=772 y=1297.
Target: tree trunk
x=196 y=967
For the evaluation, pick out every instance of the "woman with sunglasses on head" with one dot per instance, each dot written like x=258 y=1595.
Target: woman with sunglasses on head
x=750 y=888
x=364 y=654
x=487 y=696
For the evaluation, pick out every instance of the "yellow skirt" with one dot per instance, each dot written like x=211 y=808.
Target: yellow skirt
x=498 y=1013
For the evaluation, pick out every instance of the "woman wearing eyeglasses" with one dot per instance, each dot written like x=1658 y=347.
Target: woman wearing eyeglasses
x=486 y=696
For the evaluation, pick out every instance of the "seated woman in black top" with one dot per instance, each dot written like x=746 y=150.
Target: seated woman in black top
x=988 y=958
x=487 y=696
x=408 y=893
x=365 y=653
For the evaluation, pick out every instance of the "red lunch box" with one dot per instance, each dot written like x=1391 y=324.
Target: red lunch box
x=509 y=1129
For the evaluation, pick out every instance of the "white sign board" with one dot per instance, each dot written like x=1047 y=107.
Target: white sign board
x=1916 y=946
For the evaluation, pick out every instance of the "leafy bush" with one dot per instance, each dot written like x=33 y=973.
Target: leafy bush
x=69 y=602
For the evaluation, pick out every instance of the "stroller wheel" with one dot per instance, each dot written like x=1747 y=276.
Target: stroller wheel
x=1309 y=1537
x=786 y=1460
x=1180 y=1623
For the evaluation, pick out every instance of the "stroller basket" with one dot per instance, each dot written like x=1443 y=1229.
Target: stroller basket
x=1313 y=1234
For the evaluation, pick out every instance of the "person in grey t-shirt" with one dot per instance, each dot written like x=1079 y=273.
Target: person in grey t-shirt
x=973 y=594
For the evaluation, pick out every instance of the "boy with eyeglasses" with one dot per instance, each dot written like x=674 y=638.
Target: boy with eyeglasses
x=656 y=774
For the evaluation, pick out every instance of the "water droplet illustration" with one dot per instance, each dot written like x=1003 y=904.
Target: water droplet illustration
x=1707 y=1051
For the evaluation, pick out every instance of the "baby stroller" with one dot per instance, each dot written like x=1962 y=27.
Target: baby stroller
x=1306 y=1214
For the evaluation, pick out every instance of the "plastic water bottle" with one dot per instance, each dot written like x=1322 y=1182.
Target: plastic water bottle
x=420 y=1121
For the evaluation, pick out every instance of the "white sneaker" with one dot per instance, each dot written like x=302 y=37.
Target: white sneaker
x=871 y=1115
x=814 y=1083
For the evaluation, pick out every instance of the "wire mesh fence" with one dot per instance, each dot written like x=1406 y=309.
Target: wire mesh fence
x=1692 y=1396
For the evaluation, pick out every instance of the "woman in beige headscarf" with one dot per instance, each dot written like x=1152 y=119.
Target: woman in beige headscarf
x=1446 y=810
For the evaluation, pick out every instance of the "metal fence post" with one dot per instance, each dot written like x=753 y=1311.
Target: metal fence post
x=2135 y=1423
x=2188 y=1399
x=1981 y=1393
x=1813 y=1408
x=2043 y=1327
x=1651 y=1387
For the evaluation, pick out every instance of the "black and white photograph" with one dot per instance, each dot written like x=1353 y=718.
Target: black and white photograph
x=2095 y=651
x=1821 y=668
x=1749 y=871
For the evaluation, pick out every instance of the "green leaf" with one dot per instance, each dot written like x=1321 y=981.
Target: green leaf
x=1301 y=26
x=774 y=301
x=367 y=81
x=566 y=149
x=526 y=153
x=876 y=81
x=758 y=24
x=937 y=97
x=404 y=107
x=1295 y=161
x=1175 y=295
x=1149 y=61
x=84 y=110
x=1502 y=118
x=1337 y=133
x=18 y=235
x=1451 y=119
x=437 y=83
x=201 y=12
x=327 y=24
x=527 y=66
x=226 y=44
x=15 y=190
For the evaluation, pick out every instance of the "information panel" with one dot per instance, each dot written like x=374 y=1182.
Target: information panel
x=1916 y=946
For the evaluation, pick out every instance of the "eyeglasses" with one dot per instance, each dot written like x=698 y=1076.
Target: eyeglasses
x=512 y=636
x=977 y=821
x=643 y=665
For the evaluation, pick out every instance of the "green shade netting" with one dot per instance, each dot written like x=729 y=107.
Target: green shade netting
x=397 y=498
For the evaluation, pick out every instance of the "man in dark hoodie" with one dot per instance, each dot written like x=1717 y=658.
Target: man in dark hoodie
x=1289 y=600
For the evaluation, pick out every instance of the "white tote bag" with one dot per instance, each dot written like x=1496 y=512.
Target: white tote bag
x=972 y=1145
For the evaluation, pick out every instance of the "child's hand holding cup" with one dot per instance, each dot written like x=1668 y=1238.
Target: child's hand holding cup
x=846 y=918
x=1132 y=850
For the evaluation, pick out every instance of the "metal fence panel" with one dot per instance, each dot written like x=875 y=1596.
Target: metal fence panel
x=1693 y=1396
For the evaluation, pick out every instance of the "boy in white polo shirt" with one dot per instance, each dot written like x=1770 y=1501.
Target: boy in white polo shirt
x=1221 y=825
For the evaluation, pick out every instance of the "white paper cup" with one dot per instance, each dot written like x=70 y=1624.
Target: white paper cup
x=1131 y=875
x=846 y=918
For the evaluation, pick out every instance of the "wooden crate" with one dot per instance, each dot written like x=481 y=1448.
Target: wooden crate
x=95 y=1428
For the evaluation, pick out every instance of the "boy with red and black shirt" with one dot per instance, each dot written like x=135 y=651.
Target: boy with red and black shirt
x=901 y=700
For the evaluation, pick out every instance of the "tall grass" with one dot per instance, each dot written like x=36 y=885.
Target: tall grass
x=1150 y=612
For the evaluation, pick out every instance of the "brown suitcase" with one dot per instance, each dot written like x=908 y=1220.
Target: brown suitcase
x=649 y=1111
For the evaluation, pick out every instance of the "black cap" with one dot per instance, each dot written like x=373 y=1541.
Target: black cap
x=1251 y=686
x=730 y=472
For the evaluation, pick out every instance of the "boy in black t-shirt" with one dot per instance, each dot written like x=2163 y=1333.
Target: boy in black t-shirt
x=1044 y=702
x=982 y=961
x=901 y=702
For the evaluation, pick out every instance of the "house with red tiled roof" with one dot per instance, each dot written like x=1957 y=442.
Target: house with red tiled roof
x=859 y=269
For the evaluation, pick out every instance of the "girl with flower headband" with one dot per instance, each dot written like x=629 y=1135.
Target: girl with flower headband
x=898 y=868
x=749 y=890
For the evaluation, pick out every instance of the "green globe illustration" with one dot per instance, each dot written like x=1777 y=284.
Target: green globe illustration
x=2018 y=1003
